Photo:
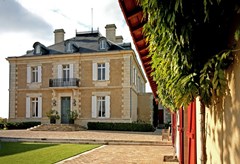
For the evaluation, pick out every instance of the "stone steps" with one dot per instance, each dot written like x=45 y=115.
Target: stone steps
x=57 y=127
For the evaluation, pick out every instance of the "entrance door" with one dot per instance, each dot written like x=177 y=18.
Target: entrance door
x=65 y=108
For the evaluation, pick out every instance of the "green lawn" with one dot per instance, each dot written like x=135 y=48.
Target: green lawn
x=24 y=152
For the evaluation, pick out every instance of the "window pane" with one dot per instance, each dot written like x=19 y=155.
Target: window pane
x=99 y=74
x=103 y=108
x=34 y=107
x=103 y=73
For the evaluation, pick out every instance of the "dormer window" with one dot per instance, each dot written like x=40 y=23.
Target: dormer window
x=69 y=47
x=38 y=49
x=102 y=44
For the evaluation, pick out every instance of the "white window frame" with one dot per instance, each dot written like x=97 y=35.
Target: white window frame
x=134 y=76
x=33 y=107
x=101 y=106
x=38 y=49
x=96 y=69
x=102 y=44
x=66 y=72
x=34 y=74
x=69 y=47
x=101 y=71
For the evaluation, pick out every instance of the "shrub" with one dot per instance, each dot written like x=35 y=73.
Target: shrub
x=142 y=127
x=1 y=125
x=21 y=125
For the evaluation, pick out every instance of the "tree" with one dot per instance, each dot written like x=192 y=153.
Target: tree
x=191 y=44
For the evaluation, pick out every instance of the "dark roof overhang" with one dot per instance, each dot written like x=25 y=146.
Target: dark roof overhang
x=133 y=15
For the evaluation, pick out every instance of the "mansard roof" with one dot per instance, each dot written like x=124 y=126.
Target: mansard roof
x=83 y=42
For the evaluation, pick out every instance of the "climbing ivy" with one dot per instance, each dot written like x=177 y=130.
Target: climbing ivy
x=189 y=47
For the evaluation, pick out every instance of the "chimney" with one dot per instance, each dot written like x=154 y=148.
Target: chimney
x=119 y=39
x=111 y=32
x=59 y=35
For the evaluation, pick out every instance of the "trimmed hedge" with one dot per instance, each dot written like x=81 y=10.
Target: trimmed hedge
x=141 y=127
x=21 y=125
x=1 y=125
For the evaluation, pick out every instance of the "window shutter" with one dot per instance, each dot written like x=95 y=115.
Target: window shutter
x=133 y=75
x=40 y=107
x=94 y=71
x=59 y=71
x=39 y=74
x=94 y=106
x=71 y=70
x=28 y=74
x=107 y=71
x=27 y=107
x=135 y=80
x=107 y=106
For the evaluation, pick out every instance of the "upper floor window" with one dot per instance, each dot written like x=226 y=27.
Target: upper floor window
x=101 y=71
x=66 y=72
x=134 y=76
x=34 y=74
x=34 y=77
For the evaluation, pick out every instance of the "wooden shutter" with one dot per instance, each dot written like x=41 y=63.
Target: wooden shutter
x=94 y=106
x=27 y=107
x=94 y=71
x=28 y=74
x=39 y=74
x=107 y=71
x=71 y=70
x=59 y=71
x=40 y=107
x=107 y=106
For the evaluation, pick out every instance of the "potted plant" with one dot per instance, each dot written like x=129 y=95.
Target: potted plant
x=72 y=116
x=53 y=116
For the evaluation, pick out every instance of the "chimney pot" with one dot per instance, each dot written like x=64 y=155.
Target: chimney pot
x=111 y=32
x=59 y=35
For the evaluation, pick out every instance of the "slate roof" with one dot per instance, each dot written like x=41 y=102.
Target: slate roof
x=85 y=42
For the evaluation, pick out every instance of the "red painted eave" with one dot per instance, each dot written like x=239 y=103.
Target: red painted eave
x=133 y=15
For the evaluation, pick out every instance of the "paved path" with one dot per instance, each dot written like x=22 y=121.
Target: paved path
x=133 y=153
x=123 y=154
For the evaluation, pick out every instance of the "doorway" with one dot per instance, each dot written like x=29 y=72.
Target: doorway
x=65 y=108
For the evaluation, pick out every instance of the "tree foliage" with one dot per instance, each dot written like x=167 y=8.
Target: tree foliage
x=189 y=46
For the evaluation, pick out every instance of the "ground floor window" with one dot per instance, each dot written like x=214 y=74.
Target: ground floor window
x=34 y=106
x=101 y=106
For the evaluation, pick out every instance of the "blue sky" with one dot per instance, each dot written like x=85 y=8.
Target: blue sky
x=24 y=22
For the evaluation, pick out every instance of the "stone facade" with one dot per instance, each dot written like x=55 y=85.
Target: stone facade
x=119 y=90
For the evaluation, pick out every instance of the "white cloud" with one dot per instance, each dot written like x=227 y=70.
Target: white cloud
x=24 y=22
x=15 y=18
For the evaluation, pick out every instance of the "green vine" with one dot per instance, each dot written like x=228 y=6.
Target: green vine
x=189 y=47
